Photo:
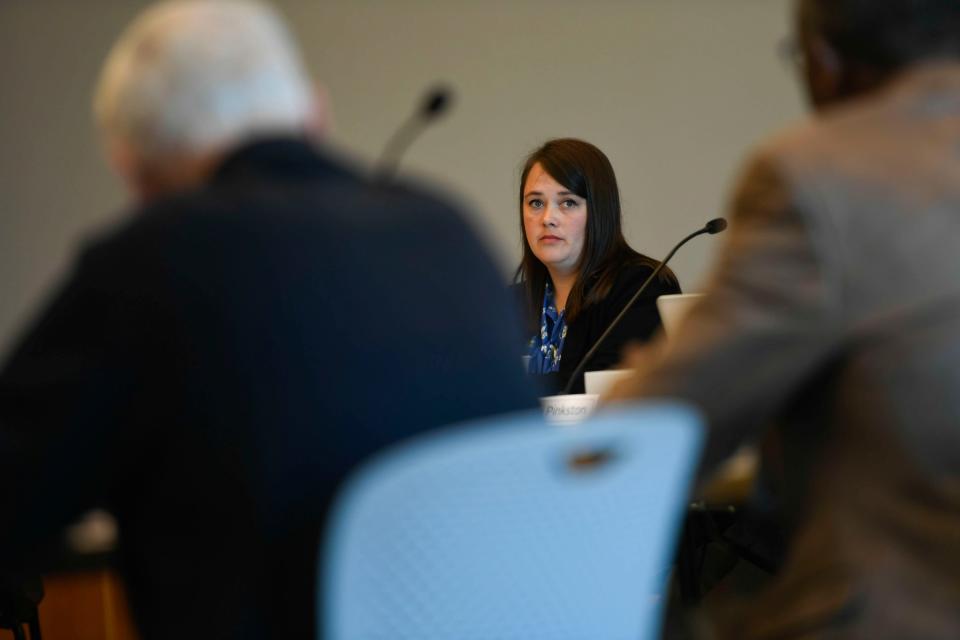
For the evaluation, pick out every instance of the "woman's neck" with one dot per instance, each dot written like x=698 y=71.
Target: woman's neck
x=562 y=286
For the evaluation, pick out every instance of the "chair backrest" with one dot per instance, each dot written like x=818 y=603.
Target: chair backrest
x=508 y=528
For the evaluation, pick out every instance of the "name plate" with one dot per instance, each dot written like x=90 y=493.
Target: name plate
x=568 y=409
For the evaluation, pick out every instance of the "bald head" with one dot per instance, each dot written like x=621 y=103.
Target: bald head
x=190 y=79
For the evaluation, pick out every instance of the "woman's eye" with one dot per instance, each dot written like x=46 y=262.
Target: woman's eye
x=569 y=203
x=535 y=203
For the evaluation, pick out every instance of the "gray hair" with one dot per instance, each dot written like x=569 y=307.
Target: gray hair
x=189 y=76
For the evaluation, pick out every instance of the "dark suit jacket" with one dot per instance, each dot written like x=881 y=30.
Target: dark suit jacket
x=215 y=366
x=640 y=323
x=834 y=312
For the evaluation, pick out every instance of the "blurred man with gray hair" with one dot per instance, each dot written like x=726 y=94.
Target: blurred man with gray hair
x=190 y=81
x=266 y=318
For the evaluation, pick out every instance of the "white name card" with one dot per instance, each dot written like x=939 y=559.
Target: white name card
x=568 y=409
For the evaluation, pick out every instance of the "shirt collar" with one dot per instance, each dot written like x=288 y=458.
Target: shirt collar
x=288 y=158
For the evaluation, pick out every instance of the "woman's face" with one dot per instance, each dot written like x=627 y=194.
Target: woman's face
x=554 y=220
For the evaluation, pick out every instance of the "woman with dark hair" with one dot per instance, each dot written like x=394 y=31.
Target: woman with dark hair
x=577 y=271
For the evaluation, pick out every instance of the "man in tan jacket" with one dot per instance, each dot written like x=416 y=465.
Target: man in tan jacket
x=834 y=313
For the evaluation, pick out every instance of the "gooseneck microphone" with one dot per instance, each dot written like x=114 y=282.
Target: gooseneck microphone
x=435 y=103
x=714 y=226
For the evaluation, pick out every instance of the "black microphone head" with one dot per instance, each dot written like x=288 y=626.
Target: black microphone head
x=716 y=225
x=436 y=102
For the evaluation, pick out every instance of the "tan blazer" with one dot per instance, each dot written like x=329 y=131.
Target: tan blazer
x=834 y=312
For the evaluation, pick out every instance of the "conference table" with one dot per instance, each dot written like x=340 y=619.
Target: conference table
x=84 y=598
x=85 y=605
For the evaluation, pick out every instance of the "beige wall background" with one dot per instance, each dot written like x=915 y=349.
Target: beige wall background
x=674 y=91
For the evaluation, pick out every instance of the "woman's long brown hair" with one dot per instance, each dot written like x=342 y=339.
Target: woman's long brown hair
x=584 y=170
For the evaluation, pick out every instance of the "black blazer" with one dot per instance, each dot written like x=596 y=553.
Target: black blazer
x=214 y=367
x=639 y=324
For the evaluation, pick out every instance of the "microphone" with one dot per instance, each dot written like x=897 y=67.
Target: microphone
x=435 y=103
x=714 y=226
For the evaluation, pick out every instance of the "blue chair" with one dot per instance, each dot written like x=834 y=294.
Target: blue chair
x=508 y=528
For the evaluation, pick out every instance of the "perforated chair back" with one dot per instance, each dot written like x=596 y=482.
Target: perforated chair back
x=512 y=529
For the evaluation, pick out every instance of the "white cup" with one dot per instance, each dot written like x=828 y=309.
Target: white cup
x=568 y=409
x=599 y=382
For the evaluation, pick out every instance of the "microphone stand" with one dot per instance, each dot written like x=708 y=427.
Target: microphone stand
x=435 y=104
x=714 y=226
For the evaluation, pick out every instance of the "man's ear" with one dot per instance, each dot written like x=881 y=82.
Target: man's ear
x=123 y=161
x=825 y=73
x=119 y=158
x=319 y=122
x=145 y=181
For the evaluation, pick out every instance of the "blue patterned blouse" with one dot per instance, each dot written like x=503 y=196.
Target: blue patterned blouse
x=546 y=347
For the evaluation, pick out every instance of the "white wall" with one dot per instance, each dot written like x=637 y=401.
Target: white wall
x=674 y=91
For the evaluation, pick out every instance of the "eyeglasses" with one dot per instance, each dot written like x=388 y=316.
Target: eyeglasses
x=791 y=54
